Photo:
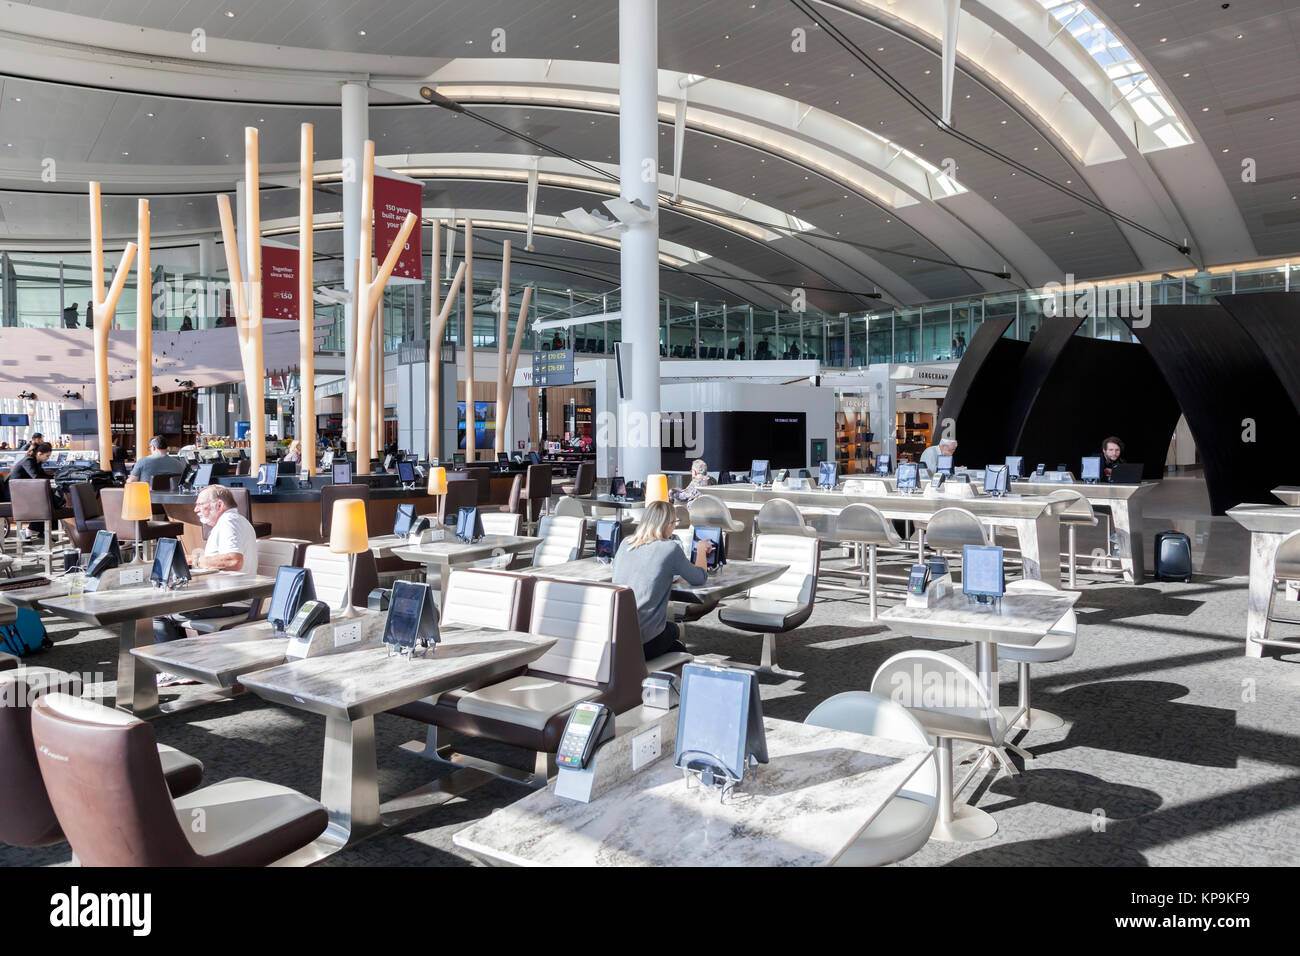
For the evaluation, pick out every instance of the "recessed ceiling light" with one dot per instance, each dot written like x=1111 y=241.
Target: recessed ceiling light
x=1186 y=75
x=1164 y=39
x=125 y=153
x=1205 y=109
x=361 y=33
x=1035 y=149
x=577 y=46
x=1004 y=122
x=11 y=146
x=717 y=66
x=18 y=99
x=150 y=115
x=726 y=36
x=927 y=72
x=1270 y=119
x=230 y=14
x=469 y=42
x=1240 y=36
x=880 y=49
x=1225 y=149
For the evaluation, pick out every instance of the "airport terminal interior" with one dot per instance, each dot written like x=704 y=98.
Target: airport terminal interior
x=710 y=433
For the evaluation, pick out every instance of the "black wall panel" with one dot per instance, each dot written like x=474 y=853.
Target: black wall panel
x=1225 y=385
x=1272 y=319
x=978 y=396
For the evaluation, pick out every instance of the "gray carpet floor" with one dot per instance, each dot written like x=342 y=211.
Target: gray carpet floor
x=1176 y=748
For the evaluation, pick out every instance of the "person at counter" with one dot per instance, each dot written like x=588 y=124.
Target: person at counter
x=231 y=546
x=32 y=466
x=930 y=457
x=295 y=451
x=1112 y=454
x=156 y=463
x=648 y=563
x=699 y=479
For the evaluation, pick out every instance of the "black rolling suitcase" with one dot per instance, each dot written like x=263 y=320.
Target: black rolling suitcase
x=1173 y=556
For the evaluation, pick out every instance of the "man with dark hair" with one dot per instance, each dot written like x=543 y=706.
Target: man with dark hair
x=1112 y=452
x=157 y=462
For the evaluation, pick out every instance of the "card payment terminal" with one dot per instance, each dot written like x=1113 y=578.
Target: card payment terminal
x=589 y=726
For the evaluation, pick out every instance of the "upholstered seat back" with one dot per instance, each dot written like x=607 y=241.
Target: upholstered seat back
x=951 y=529
x=27 y=819
x=332 y=493
x=502 y=522
x=482 y=598
x=864 y=523
x=581 y=617
x=562 y=540
x=31 y=499
x=329 y=574
x=798 y=584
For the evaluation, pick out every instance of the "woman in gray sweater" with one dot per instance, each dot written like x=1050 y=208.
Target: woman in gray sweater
x=648 y=563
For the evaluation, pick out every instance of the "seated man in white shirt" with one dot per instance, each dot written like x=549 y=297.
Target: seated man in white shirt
x=930 y=457
x=231 y=546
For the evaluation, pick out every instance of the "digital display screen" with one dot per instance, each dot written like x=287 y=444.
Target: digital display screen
x=943 y=465
x=606 y=528
x=167 y=423
x=405 y=472
x=81 y=421
x=1091 y=469
x=907 y=473
x=828 y=474
x=405 y=518
x=882 y=464
x=267 y=474
x=713 y=721
x=618 y=487
x=729 y=440
x=404 y=615
x=1015 y=466
x=758 y=471
x=981 y=571
x=286 y=579
x=714 y=537
x=995 y=479
x=203 y=476
x=342 y=472
x=583 y=717
x=15 y=421
x=105 y=543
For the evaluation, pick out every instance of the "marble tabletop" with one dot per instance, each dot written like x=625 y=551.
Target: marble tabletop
x=365 y=682
x=451 y=551
x=1267 y=519
x=133 y=603
x=892 y=504
x=1288 y=494
x=732 y=578
x=1022 y=618
x=806 y=806
x=609 y=501
x=218 y=658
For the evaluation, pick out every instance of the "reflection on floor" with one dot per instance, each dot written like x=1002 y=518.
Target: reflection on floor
x=1176 y=748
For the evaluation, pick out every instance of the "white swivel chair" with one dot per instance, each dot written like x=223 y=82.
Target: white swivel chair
x=951 y=529
x=570 y=507
x=948 y=699
x=1057 y=645
x=563 y=539
x=907 y=821
x=780 y=605
x=783 y=517
x=1286 y=570
x=1078 y=513
x=861 y=525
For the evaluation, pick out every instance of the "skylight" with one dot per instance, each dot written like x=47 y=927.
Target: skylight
x=1131 y=79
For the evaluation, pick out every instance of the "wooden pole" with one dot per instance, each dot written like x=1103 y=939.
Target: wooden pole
x=503 y=330
x=143 y=333
x=105 y=306
x=437 y=326
x=503 y=418
x=306 y=306
x=359 y=393
x=254 y=369
x=432 y=402
x=470 y=454
x=377 y=377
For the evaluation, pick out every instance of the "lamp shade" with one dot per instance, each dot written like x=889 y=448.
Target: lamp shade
x=656 y=488
x=136 y=503
x=437 y=481
x=348 y=534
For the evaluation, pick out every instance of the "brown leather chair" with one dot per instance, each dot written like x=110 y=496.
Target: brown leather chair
x=106 y=784
x=597 y=657
x=111 y=501
x=32 y=501
x=584 y=483
x=537 y=490
x=482 y=475
x=244 y=505
x=461 y=493
x=87 y=516
x=332 y=493
x=28 y=818
x=8 y=662
x=514 y=504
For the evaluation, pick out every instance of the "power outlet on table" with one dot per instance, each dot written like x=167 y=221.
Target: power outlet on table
x=645 y=748
x=345 y=634
x=131 y=576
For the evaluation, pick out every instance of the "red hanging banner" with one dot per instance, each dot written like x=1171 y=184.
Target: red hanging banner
x=279 y=283
x=394 y=198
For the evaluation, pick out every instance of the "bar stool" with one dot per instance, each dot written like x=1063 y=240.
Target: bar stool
x=710 y=511
x=951 y=529
x=862 y=524
x=244 y=505
x=138 y=532
x=584 y=482
x=1078 y=512
x=781 y=516
x=33 y=501
x=1286 y=569
x=537 y=491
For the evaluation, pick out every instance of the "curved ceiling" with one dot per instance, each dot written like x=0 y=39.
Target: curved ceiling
x=1095 y=137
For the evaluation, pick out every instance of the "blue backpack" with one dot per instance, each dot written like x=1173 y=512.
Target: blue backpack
x=26 y=635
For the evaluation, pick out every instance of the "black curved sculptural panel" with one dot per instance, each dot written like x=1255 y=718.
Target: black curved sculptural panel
x=1241 y=416
x=1272 y=319
x=979 y=393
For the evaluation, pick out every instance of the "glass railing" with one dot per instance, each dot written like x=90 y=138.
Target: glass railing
x=42 y=291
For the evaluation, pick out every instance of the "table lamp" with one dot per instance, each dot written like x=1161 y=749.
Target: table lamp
x=656 y=488
x=438 y=484
x=137 y=506
x=348 y=535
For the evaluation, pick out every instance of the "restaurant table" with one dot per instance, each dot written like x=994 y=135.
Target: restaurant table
x=446 y=554
x=618 y=505
x=1268 y=525
x=730 y=579
x=350 y=688
x=132 y=610
x=218 y=659
x=1288 y=494
x=819 y=791
x=1035 y=519
x=1023 y=619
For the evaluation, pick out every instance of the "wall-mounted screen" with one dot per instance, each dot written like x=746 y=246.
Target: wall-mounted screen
x=79 y=421
x=730 y=441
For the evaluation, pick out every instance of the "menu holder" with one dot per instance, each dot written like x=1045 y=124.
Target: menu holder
x=720 y=734
x=983 y=579
x=412 y=620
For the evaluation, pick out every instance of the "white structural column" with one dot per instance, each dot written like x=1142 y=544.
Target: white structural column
x=355 y=130
x=206 y=304
x=638 y=134
x=951 y=16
